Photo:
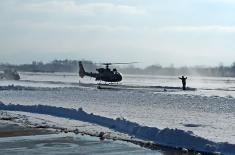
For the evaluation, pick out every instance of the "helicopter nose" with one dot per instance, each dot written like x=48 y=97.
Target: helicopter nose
x=119 y=77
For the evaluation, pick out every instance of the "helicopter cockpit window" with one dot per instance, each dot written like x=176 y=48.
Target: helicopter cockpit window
x=115 y=70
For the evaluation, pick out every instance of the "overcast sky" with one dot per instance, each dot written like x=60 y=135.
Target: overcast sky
x=182 y=32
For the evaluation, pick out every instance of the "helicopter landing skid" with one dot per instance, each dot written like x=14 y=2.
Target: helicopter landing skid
x=107 y=85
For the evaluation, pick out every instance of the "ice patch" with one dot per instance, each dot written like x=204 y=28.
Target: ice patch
x=54 y=85
x=167 y=137
x=193 y=125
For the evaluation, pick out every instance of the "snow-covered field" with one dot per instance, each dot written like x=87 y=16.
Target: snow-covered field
x=152 y=101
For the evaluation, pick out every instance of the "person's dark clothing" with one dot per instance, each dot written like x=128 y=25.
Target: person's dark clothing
x=183 y=79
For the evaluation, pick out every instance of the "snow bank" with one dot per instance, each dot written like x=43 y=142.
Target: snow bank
x=13 y=87
x=32 y=88
x=166 y=137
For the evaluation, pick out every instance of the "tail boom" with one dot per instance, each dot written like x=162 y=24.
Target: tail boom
x=83 y=73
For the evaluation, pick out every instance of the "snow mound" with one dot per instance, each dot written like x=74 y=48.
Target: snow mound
x=168 y=137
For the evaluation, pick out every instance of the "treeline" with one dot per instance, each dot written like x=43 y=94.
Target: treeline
x=54 y=66
x=72 y=66
x=218 y=71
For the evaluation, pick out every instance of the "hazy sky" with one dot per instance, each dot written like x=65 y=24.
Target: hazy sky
x=179 y=32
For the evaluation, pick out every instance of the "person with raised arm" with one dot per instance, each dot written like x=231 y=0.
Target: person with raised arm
x=183 y=79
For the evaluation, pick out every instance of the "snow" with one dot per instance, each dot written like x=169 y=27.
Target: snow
x=212 y=114
x=166 y=136
x=207 y=110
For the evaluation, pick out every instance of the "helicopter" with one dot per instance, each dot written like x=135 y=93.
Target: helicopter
x=103 y=74
x=10 y=74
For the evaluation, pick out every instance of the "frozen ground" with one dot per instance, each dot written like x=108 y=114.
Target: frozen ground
x=30 y=133
x=21 y=139
x=174 y=138
x=68 y=145
x=208 y=111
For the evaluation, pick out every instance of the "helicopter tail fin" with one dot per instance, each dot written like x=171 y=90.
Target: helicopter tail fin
x=81 y=70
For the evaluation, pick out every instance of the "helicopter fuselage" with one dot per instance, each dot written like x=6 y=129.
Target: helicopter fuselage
x=104 y=74
x=108 y=76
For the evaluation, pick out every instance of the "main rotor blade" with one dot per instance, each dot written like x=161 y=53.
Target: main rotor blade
x=124 y=63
